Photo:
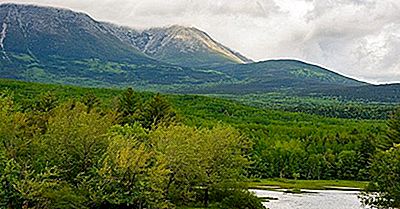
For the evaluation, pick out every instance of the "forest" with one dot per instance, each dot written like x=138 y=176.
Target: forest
x=72 y=147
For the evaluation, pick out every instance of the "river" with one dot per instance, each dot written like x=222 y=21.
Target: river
x=312 y=199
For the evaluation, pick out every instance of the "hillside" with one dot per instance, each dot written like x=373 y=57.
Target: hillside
x=389 y=93
x=184 y=46
x=288 y=76
x=61 y=46
x=51 y=45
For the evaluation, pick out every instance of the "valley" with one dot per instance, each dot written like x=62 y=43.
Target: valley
x=98 y=115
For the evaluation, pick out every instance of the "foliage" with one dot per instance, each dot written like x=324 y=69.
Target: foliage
x=131 y=174
x=157 y=111
x=91 y=101
x=394 y=128
x=129 y=106
x=208 y=159
x=238 y=199
x=311 y=143
x=91 y=154
x=336 y=107
x=78 y=156
x=384 y=188
x=75 y=139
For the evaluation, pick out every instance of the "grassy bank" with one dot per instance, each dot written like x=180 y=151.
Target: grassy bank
x=306 y=184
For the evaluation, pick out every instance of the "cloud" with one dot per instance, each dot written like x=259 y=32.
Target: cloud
x=359 y=38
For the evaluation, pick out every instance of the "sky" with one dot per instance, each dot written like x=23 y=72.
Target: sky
x=357 y=38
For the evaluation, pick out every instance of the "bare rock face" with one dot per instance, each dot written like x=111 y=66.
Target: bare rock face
x=186 y=46
x=165 y=41
x=45 y=31
x=52 y=45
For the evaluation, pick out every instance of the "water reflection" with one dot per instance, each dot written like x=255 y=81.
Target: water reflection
x=313 y=199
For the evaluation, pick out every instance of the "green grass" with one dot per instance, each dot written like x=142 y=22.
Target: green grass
x=306 y=184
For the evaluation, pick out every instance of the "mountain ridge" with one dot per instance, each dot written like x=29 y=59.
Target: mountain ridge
x=53 y=45
x=221 y=54
x=169 y=42
x=289 y=76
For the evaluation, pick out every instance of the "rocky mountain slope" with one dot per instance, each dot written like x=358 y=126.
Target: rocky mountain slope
x=185 y=46
x=53 y=45
x=61 y=46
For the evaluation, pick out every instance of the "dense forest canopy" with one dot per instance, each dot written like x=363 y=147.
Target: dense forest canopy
x=71 y=147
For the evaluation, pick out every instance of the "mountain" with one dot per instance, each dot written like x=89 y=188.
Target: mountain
x=289 y=76
x=185 y=46
x=50 y=32
x=54 y=45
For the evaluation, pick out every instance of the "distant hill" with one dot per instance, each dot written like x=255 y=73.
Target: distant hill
x=389 y=93
x=289 y=76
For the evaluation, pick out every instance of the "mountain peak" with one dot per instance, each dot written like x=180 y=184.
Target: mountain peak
x=175 y=44
x=193 y=47
x=48 y=32
x=180 y=45
x=177 y=27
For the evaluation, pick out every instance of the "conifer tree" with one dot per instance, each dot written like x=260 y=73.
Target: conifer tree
x=128 y=107
x=157 y=111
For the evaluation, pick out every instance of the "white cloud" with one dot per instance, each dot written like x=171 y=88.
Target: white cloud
x=359 y=38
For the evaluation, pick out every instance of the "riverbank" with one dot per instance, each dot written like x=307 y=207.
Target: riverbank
x=311 y=199
x=279 y=183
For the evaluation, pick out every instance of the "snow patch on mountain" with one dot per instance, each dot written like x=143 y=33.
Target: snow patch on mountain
x=3 y=35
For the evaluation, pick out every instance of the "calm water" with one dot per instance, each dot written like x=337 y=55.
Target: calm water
x=317 y=199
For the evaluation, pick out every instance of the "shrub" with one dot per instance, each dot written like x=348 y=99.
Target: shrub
x=241 y=199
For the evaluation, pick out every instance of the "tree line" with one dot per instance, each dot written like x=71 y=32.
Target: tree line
x=74 y=154
x=139 y=150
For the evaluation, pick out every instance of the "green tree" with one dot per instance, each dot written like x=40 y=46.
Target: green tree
x=45 y=102
x=348 y=164
x=91 y=101
x=9 y=176
x=179 y=145
x=157 y=111
x=15 y=132
x=393 y=133
x=131 y=174
x=223 y=158
x=210 y=159
x=41 y=110
x=25 y=188
x=129 y=107
x=384 y=188
x=75 y=140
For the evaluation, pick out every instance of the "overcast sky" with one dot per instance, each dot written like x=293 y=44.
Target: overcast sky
x=358 y=38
